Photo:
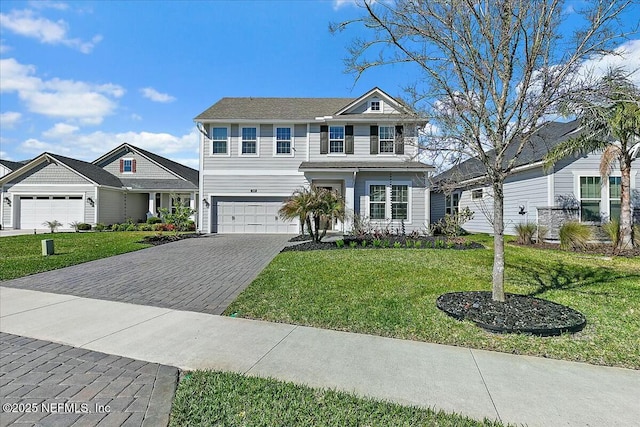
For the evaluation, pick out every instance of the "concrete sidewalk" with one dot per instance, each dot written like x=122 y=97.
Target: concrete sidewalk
x=476 y=383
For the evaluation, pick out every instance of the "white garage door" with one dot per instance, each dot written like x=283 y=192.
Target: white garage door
x=251 y=215
x=34 y=210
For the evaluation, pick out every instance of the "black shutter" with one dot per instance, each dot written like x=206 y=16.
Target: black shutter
x=324 y=139
x=348 y=139
x=399 y=142
x=373 y=140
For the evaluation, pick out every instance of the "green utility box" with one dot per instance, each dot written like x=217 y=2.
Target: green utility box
x=47 y=247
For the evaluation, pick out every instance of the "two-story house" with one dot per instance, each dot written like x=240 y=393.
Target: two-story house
x=255 y=152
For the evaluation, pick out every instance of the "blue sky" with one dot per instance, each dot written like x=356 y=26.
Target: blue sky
x=79 y=78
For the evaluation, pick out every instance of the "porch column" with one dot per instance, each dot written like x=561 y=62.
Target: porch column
x=192 y=204
x=152 y=203
x=349 y=202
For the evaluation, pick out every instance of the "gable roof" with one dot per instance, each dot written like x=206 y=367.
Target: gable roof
x=90 y=171
x=182 y=171
x=381 y=94
x=13 y=165
x=272 y=108
x=540 y=143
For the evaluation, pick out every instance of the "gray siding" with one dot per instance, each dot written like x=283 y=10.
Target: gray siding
x=7 y=217
x=145 y=169
x=417 y=197
x=49 y=173
x=111 y=206
x=136 y=206
x=263 y=184
x=437 y=206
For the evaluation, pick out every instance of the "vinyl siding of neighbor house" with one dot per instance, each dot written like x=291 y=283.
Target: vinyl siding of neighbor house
x=437 y=206
x=145 y=169
x=136 y=206
x=361 y=145
x=418 y=196
x=7 y=211
x=110 y=206
x=527 y=189
x=49 y=173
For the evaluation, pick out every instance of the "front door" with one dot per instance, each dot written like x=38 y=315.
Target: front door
x=333 y=224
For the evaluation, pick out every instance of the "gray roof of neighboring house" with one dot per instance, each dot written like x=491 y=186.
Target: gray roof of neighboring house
x=13 y=165
x=158 y=184
x=184 y=171
x=273 y=108
x=91 y=171
x=544 y=140
x=364 y=165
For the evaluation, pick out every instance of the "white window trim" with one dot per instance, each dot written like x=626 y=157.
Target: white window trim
x=370 y=106
x=257 y=153
x=275 y=141
x=344 y=142
x=388 y=203
x=451 y=206
x=211 y=140
x=605 y=205
x=127 y=159
x=392 y=153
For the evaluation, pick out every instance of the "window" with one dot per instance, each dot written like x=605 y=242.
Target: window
x=249 y=141
x=219 y=141
x=378 y=201
x=387 y=136
x=336 y=139
x=389 y=201
x=127 y=166
x=283 y=140
x=399 y=202
x=476 y=194
x=375 y=105
x=590 y=194
x=179 y=200
x=452 y=203
x=615 y=189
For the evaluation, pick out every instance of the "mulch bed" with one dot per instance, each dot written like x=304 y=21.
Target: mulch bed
x=425 y=243
x=161 y=239
x=519 y=313
x=601 y=249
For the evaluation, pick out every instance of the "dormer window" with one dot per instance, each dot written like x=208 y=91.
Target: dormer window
x=375 y=106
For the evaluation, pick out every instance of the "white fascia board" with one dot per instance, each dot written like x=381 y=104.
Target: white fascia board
x=251 y=172
x=349 y=170
x=249 y=194
x=423 y=170
x=513 y=171
x=254 y=121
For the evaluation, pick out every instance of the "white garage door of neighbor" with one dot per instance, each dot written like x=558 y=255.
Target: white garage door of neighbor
x=255 y=215
x=35 y=210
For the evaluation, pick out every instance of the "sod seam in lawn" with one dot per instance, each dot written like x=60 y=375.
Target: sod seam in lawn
x=392 y=292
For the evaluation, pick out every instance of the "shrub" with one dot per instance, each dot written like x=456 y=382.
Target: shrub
x=364 y=243
x=451 y=225
x=75 y=225
x=120 y=227
x=145 y=227
x=542 y=233
x=397 y=245
x=153 y=220
x=574 y=235
x=131 y=227
x=353 y=244
x=418 y=244
x=612 y=229
x=158 y=227
x=340 y=243
x=83 y=226
x=525 y=232
x=99 y=227
x=377 y=243
x=191 y=225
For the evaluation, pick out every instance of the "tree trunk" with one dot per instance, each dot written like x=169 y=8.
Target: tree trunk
x=316 y=231
x=626 y=222
x=498 y=241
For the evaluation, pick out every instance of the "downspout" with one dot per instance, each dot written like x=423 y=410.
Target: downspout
x=97 y=205
x=200 y=182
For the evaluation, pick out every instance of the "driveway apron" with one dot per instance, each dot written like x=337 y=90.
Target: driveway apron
x=203 y=274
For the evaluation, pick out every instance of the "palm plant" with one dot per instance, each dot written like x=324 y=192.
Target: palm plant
x=53 y=225
x=299 y=206
x=311 y=205
x=329 y=206
x=610 y=123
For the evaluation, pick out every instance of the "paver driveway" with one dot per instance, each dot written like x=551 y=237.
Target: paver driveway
x=203 y=274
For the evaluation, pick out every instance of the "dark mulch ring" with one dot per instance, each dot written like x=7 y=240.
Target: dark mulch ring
x=519 y=313
x=351 y=242
x=601 y=249
x=161 y=239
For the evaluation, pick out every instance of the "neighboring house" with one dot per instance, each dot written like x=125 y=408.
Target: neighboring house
x=255 y=152
x=53 y=187
x=7 y=166
x=151 y=181
x=570 y=190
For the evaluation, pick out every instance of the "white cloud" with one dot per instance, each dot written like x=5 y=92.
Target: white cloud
x=3 y=47
x=48 y=4
x=626 y=56
x=9 y=119
x=66 y=140
x=85 y=102
x=155 y=96
x=338 y=4
x=27 y=24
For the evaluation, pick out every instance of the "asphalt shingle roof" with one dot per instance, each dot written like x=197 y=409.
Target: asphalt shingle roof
x=91 y=171
x=544 y=140
x=273 y=108
x=363 y=165
x=159 y=184
x=13 y=165
x=184 y=171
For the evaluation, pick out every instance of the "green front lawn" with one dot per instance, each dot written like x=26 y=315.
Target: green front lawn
x=392 y=292
x=22 y=255
x=227 y=399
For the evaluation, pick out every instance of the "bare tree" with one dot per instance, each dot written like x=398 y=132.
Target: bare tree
x=490 y=73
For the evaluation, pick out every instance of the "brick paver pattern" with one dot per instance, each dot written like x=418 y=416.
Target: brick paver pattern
x=48 y=384
x=201 y=274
